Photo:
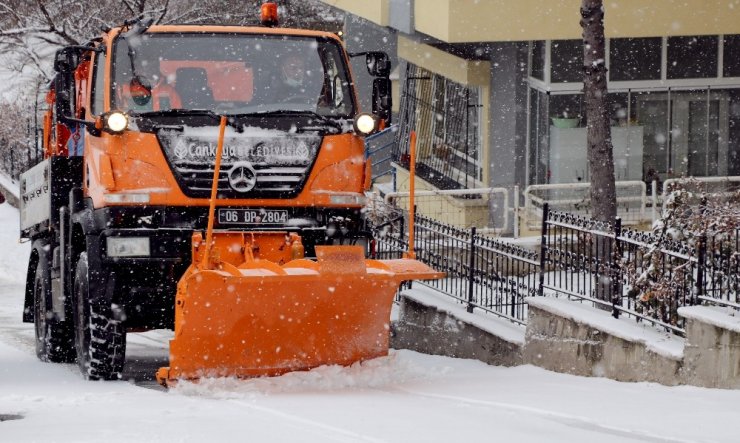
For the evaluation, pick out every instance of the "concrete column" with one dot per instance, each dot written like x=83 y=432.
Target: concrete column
x=508 y=119
x=712 y=353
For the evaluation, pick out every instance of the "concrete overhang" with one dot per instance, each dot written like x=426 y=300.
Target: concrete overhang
x=465 y=72
x=458 y=21
x=377 y=11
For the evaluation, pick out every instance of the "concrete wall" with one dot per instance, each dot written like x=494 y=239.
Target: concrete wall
x=712 y=353
x=561 y=344
x=402 y=15
x=9 y=195
x=569 y=337
x=423 y=328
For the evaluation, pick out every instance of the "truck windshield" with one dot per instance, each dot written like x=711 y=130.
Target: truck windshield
x=230 y=74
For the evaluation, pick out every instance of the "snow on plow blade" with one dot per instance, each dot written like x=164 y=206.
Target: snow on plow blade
x=263 y=319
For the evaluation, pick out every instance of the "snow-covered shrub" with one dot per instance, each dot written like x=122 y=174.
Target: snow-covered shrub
x=697 y=232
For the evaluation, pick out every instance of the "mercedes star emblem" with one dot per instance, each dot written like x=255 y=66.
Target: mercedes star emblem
x=242 y=177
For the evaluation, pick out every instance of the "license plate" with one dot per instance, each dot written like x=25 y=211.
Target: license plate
x=252 y=216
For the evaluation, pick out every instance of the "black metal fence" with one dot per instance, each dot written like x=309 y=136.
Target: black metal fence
x=627 y=272
x=379 y=150
x=446 y=118
x=481 y=272
x=636 y=273
x=16 y=157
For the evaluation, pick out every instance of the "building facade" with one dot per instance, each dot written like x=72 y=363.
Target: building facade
x=494 y=87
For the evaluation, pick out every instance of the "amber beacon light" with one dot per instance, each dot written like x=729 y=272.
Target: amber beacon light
x=269 y=15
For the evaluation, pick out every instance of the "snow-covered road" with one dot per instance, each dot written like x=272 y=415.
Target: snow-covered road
x=406 y=397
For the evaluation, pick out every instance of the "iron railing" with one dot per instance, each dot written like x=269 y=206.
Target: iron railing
x=578 y=258
x=446 y=118
x=379 y=151
x=17 y=158
x=481 y=272
x=640 y=274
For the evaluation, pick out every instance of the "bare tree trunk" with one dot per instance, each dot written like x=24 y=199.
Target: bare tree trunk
x=600 y=155
x=599 y=141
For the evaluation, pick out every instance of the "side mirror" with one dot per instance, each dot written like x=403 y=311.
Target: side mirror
x=378 y=64
x=140 y=90
x=65 y=60
x=64 y=88
x=382 y=98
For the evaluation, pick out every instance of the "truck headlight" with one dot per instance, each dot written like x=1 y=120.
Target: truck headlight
x=127 y=246
x=116 y=122
x=366 y=124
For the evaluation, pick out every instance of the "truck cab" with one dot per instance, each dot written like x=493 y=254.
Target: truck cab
x=130 y=141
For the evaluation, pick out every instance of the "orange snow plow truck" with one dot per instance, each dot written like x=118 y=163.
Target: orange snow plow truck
x=210 y=180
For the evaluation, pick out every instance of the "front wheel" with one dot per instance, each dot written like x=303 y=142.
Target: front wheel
x=100 y=340
x=54 y=338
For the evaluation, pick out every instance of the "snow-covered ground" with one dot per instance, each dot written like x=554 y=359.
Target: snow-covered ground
x=406 y=397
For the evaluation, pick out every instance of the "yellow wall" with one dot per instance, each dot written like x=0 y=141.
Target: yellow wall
x=374 y=10
x=450 y=210
x=466 y=72
x=517 y=20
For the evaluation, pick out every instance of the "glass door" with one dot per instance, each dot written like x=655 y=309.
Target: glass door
x=700 y=133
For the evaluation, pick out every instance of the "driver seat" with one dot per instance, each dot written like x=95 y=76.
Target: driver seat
x=192 y=87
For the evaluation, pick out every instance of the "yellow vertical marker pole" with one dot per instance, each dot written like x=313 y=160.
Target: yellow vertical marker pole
x=214 y=190
x=412 y=204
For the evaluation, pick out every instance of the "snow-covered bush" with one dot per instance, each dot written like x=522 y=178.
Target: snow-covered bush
x=697 y=233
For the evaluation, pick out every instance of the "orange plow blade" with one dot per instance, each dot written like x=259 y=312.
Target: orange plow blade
x=261 y=318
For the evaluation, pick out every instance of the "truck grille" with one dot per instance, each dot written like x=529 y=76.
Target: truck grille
x=277 y=163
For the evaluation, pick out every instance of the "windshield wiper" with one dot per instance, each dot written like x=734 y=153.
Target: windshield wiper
x=193 y=112
x=321 y=119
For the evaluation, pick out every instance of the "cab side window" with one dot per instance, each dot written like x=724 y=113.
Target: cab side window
x=98 y=93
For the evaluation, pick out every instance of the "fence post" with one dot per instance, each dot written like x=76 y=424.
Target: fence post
x=616 y=271
x=700 y=267
x=516 y=211
x=471 y=270
x=12 y=163
x=543 y=249
x=654 y=196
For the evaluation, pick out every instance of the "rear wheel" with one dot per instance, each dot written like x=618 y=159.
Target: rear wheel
x=100 y=340
x=54 y=338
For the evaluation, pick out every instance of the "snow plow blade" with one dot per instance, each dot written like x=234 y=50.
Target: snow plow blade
x=261 y=318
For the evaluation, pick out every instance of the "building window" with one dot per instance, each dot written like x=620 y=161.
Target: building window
x=538 y=59
x=635 y=58
x=567 y=61
x=446 y=118
x=731 y=56
x=692 y=57
x=658 y=134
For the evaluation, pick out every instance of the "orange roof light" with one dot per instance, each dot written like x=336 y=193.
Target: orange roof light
x=269 y=15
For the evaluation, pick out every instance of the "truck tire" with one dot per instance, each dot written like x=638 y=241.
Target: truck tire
x=54 y=338
x=100 y=340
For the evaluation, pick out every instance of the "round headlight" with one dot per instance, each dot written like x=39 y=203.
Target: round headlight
x=116 y=121
x=365 y=124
